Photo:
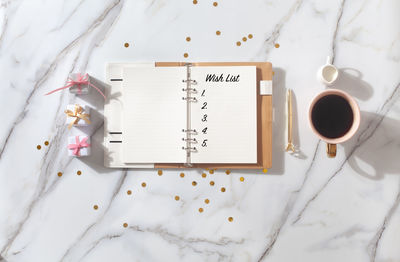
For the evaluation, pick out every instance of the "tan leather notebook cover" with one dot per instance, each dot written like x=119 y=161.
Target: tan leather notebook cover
x=264 y=118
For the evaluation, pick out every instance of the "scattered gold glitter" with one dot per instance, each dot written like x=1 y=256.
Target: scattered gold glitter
x=212 y=183
x=59 y=174
x=265 y=170
x=185 y=55
x=218 y=32
x=230 y=219
x=238 y=43
x=223 y=189
x=129 y=192
x=250 y=36
x=126 y=44
x=215 y=4
x=194 y=183
x=143 y=184
x=125 y=224
x=38 y=147
x=201 y=210
x=177 y=198
x=195 y=2
x=46 y=143
x=244 y=39
x=227 y=172
x=95 y=207
x=206 y=201
x=188 y=38
x=211 y=171
x=159 y=172
x=277 y=45
x=242 y=179
x=182 y=175
x=204 y=175
x=79 y=172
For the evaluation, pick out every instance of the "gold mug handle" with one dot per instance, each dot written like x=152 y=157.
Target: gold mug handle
x=331 y=150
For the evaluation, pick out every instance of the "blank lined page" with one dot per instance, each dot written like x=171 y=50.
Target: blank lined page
x=154 y=115
x=225 y=115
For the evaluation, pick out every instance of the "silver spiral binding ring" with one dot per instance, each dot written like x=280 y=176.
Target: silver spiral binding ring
x=191 y=140
x=191 y=81
x=189 y=148
x=189 y=130
x=193 y=90
x=190 y=99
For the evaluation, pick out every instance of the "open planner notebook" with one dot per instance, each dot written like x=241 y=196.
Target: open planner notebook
x=185 y=115
x=189 y=115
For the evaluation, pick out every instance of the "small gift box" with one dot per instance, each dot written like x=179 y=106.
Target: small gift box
x=79 y=146
x=77 y=115
x=79 y=83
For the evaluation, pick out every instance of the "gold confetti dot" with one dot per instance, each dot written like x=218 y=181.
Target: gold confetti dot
x=218 y=32
x=79 y=172
x=212 y=183
x=223 y=189
x=250 y=36
x=215 y=4
x=201 y=210
x=227 y=172
x=242 y=179
x=46 y=143
x=277 y=45
x=59 y=174
x=265 y=170
x=238 y=43
x=182 y=174
x=159 y=172
x=244 y=39
x=186 y=55
x=125 y=224
x=230 y=219
x=177 y=198
x=126 y=44
x=195 y=2
x=188 y=39
x=143 y=184
x=38 y=147
x=204 y=175
x=95 y=207
x=211 y=171
x=273 y=73
x=206 y=201
x=194 y=183
x=129 y=192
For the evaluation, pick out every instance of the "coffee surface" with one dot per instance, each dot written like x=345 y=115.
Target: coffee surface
x=332 y=116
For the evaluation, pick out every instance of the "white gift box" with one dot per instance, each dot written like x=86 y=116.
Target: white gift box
x=79 y=121
x=81 y=83
x=77 y=147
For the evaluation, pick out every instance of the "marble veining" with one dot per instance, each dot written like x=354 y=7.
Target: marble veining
x=305 y=208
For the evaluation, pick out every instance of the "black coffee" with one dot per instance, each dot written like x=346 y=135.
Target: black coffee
x=332 y=116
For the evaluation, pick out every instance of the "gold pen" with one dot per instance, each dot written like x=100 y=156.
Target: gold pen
x=289 y=146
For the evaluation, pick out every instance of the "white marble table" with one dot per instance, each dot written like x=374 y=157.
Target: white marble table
x=306 y=208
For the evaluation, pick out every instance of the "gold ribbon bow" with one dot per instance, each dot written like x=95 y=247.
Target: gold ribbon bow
x=77 y=114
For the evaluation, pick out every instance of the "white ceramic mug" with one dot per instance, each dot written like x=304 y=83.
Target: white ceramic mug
x=328 y=73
